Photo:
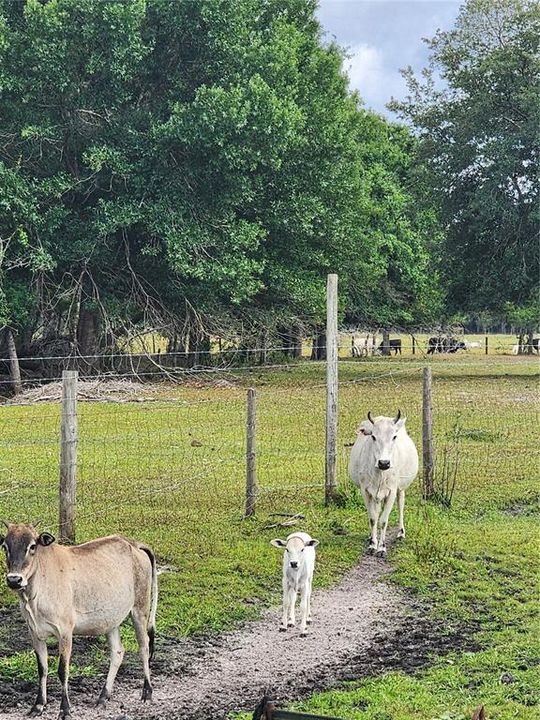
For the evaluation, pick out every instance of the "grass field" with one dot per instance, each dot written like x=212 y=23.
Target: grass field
x=170 y=471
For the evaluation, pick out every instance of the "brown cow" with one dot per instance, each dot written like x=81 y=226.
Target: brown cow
x=86 y=589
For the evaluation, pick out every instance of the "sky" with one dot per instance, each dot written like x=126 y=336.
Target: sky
x=382 y=36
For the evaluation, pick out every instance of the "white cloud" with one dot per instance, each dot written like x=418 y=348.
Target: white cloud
x=365 y=68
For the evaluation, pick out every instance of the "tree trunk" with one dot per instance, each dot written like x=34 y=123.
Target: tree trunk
x=14 y=368
x=88 y=331
x=385 y=342
x=318 y=350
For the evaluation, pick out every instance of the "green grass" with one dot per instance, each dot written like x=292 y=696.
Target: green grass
x=171 y=472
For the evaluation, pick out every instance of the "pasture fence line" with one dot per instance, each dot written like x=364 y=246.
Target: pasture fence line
x=127 y=455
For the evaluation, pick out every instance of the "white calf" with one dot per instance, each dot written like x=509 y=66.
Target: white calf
x=298 y=567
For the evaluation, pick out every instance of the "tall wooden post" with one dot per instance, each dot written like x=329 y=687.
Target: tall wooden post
x=413 y=345
x=427 y=435
x=486 y=344
x=331 y=386
x=68 y=457
x=251 y=473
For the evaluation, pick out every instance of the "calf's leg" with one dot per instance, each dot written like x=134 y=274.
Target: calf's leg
x=304 y=608
x=292 y=607
x=140 y=622
x=64 y=652
x=40 y=648
x=117 y=655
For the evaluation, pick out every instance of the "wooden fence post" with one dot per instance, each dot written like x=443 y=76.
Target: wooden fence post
x=427 y=435
x=68 y=457
x=331 y=387
x=486 y=344
x=251 y=472
x=413 y=345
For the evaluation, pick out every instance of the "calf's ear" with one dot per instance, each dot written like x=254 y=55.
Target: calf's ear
x=278 y=543
x=46 y=539
x=400 y=423
x=312 y=543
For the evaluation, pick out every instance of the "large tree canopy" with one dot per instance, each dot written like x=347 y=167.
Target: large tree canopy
x=169 y=160
x=478 y=147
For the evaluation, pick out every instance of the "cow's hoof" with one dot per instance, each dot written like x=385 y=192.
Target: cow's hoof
x=36 y=710
x=401 y=535
x=372 y=549
x=381 y=553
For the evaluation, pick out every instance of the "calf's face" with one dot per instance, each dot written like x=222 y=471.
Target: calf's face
x=21 y=544
x=294 y=550
x=383 y=433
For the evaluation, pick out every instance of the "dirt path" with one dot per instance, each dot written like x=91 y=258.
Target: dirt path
x=212 y=679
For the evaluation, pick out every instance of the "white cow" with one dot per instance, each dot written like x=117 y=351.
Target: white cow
x=383 y=463
x=472 y=345
x=298 y=567
x=362 y=346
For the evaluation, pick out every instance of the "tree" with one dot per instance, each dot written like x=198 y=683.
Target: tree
x=478 y=150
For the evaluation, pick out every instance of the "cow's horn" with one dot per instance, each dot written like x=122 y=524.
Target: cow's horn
x=397 y=416
x=370 y=418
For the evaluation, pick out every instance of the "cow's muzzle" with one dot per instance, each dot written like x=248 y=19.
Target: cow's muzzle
x=383 y=464
x=15 y=582
x=294 y=565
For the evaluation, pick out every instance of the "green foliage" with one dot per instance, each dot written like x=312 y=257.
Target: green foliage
x=204 y=155
x=478 y=149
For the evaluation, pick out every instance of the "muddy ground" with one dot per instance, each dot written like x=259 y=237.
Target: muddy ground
x=362 y=626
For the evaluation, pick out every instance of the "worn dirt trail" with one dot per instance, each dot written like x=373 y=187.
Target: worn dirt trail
x=212 y=678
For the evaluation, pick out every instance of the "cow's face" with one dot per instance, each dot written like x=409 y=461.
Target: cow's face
x=383 y=433
x=21 y=544
x=294 y=550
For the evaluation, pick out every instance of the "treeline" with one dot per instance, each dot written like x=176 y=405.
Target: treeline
x=195 y=169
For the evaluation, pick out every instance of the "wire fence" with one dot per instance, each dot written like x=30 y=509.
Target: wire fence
x=162 y=455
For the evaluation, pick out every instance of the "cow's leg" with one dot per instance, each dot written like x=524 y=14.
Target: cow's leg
x=140 y=623
x=292 y=607
x=383 y=523
x=117 y=655
x=401 y=508
x=373 y=508
x=285 y=615
x=64 y=653
x=304 y=605
x=40 y=648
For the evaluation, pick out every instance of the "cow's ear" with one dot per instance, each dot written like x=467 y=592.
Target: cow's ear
x=312 y=543
x=278 y=543
x=400 y=423
x=365 y=428
x=46 y=539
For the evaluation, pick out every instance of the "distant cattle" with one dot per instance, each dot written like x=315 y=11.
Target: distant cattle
x=447 y=344
x=383 y=463
x=394 y=345
x=361 y=346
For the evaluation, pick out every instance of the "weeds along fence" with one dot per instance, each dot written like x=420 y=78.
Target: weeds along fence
x=159 y=460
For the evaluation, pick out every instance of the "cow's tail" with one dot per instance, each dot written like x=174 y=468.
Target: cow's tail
x=154 y=601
